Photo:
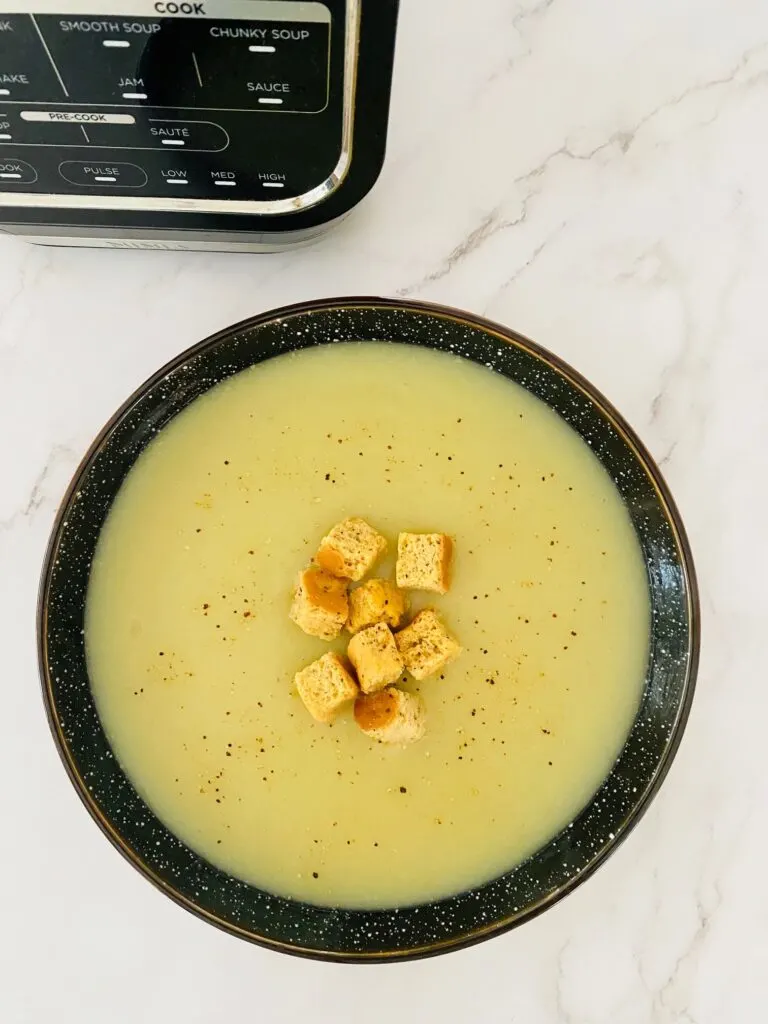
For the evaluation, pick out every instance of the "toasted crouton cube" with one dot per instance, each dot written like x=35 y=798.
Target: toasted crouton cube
x=350 y=549
x=391 y=716
x=426 y=646
x=375 y=656
x=320 y=604
x=423 y=561
x=326 y=686
x=376 y=601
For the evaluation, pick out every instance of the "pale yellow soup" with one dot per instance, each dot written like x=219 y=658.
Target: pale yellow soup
x=192 y=655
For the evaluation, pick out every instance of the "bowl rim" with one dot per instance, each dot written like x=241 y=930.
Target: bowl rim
x=674 y=520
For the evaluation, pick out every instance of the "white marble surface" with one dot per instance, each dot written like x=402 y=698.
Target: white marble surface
x=595 y=174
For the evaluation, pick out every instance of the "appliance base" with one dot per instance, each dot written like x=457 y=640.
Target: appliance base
x=153 y=238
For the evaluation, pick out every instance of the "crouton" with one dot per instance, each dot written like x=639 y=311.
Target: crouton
x=391 y=716
x=320 y=605
x=325 y=687
x=376 y=601
x=426 y=646
x=423 y=561
x=375 y=657
x=350 y=549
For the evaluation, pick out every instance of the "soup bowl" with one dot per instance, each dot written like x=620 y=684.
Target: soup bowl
x=405 y=932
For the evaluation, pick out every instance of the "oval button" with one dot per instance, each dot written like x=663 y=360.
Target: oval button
x=16 y=172
x=202 y=136
x=102 y=174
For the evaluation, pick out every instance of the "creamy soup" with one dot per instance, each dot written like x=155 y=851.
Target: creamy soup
x=192 y=655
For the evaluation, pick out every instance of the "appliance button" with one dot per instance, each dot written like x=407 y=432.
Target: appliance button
x=116 y=58
x=271 y=180
x=95 y=55
x=195 y=136
x=224 y=179
x=277 y=67
x=100 y=174
x=177 y=177
x=16 y=172
x=76 y=117
x=25 y=71
x=201 y=136
x=61 y=127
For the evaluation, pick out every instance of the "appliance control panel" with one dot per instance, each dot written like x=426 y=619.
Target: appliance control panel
x=181 y=104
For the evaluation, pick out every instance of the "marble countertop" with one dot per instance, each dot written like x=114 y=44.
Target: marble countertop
x=595 y=175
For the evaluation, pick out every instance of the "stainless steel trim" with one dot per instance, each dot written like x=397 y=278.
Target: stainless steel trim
x=170 y=234
x=201 y=245
x=185 y=241
x=158 y=204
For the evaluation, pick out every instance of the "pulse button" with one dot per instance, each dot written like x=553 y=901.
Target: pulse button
x=100 y=175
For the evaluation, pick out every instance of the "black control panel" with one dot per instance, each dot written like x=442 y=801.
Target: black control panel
x=222 y=99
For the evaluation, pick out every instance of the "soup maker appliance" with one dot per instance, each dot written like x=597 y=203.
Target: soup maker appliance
x=190 y=124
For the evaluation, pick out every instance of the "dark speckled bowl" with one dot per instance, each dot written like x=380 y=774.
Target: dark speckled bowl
x=412 y=931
